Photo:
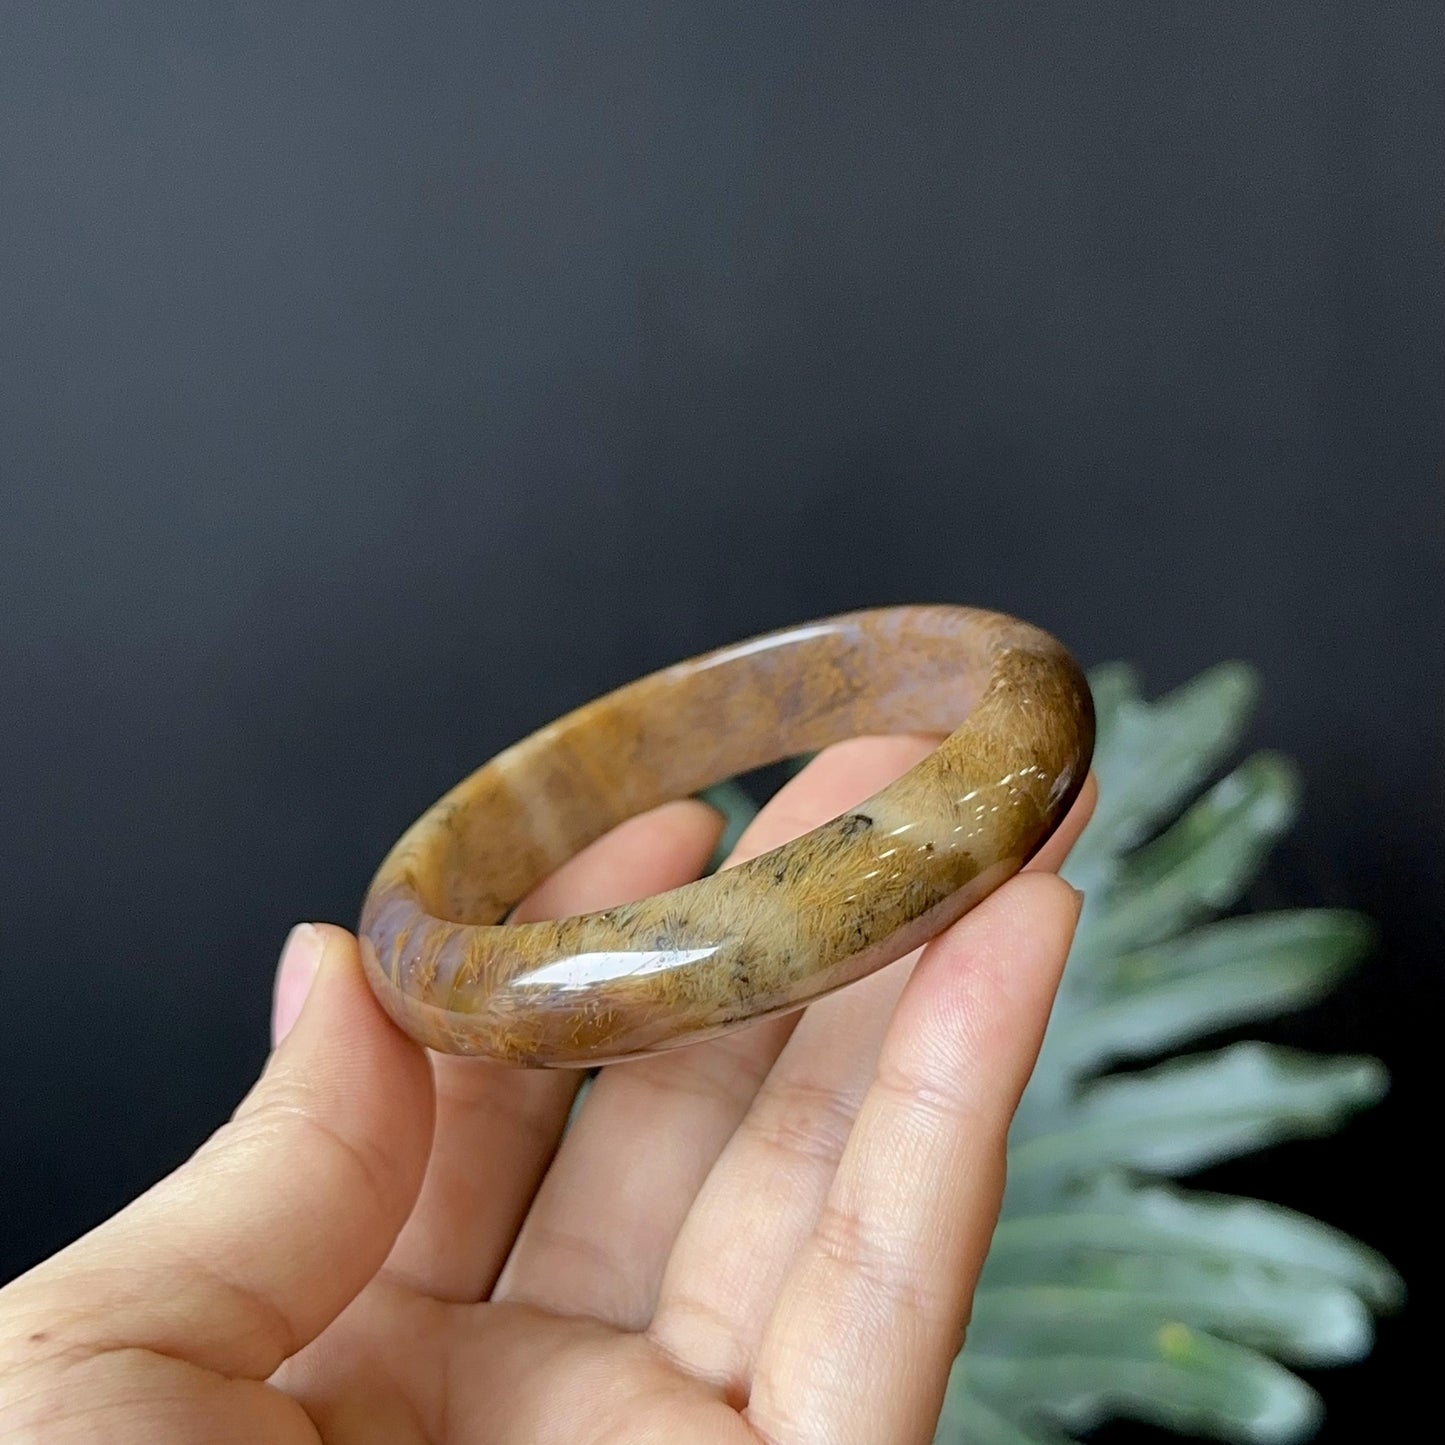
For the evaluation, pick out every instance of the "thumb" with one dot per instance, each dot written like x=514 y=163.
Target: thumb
x=251 y=1248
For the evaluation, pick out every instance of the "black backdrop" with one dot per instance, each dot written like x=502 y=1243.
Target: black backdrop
x=378 y=380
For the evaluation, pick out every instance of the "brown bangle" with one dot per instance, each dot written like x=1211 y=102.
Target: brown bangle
x=775 y=932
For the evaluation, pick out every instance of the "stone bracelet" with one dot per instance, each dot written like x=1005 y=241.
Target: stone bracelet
x=771 y=934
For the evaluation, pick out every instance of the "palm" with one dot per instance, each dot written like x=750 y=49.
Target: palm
x=403 y=1367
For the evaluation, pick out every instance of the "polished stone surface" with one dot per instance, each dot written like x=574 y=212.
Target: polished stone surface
x=775 y=932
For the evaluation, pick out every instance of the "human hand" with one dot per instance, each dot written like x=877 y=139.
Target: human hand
x=770 y=1237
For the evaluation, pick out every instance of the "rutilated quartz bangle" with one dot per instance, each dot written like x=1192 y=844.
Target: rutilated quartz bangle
x=771 y=934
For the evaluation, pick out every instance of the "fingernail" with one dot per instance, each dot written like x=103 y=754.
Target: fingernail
x=300 y=958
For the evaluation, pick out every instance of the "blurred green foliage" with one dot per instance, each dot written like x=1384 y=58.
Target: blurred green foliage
x=1108 y=1293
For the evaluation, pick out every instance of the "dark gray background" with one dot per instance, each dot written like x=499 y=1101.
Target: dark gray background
x=378 y=380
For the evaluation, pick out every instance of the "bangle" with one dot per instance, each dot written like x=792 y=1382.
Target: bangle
x=771 y=934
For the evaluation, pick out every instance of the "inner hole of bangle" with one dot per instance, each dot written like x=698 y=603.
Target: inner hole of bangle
x=509 y=825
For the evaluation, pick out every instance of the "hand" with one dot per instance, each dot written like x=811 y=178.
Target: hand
x=769 y=1237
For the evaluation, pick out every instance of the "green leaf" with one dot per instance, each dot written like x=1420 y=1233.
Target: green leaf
x=967 y=1418
x=1167 y=1374
x=1198 y=866
x=1306 y=1320
x=1115 y=685
x=1115 y=1215
x=1150 y=758
x=1103 y=1295
x=738 y=810
x=1199 y=1110
x=1221 y=974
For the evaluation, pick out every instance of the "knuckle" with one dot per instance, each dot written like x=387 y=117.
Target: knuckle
x=887 y=1266
x=805 y=1123
x=287 y=1108
x=908 y=1090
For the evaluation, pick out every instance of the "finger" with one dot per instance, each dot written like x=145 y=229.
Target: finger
x=872 y=1311
x=497 y=1128
x=606 y=1217
x=765 y=1193
x=249 y=1250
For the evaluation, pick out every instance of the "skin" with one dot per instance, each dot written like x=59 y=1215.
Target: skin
x=768 y=1237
